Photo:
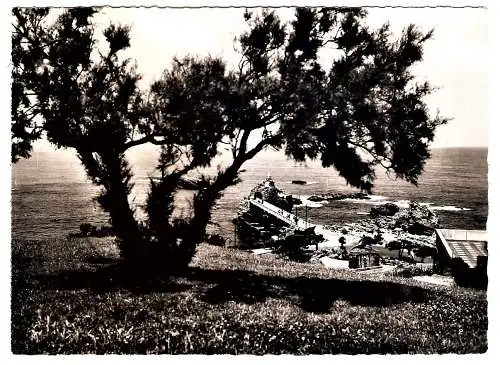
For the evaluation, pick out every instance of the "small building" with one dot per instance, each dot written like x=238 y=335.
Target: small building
x=362 y=258
x=464 y=253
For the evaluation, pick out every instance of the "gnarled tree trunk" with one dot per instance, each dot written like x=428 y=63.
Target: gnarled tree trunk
x=110 y=170
x=203 y=203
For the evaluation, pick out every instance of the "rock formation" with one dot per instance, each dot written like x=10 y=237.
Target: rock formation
x=407 y=231
x=268 y=191
x=388 y=209
x=416 y=219
x=338 y=196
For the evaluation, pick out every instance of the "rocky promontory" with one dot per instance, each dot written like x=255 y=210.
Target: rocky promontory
x=268 y=191
x=391 y=230
x=416 y=219
x=408 y=233
x=338 y=196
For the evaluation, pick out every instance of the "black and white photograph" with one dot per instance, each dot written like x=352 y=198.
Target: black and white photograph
x=249 y=179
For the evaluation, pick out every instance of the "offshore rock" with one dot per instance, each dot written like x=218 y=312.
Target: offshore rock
x=338 y=196
x=316 y=198
x=388 y=209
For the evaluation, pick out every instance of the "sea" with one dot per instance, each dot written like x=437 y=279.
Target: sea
x=51 y=195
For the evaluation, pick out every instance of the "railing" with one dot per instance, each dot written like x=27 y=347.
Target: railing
x=276 y=212
x=445 y=244
x=294 y=220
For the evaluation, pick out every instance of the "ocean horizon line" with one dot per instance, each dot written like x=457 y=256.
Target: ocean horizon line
x=50 y=148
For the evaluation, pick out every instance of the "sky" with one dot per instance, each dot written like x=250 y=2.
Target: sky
x=455 y=60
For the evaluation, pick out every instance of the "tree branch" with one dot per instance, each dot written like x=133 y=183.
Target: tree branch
x=178 y=173
x=235 y=146
x=243 y=143
x=370 y=151
x=147 y=139
x=260 y=146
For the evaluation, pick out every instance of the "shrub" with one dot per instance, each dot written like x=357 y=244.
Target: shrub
x=413 y=270
x=85 y=228
x=293 y=247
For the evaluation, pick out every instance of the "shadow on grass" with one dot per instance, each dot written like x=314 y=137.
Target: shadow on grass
x=311 y=294
x=112 y=278
x=219 y=286
x=109 y=275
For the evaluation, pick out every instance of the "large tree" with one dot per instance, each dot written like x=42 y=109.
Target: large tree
x=363 y=110
x=83 y=96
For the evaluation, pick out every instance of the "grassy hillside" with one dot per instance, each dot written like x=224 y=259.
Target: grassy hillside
x=67 y=297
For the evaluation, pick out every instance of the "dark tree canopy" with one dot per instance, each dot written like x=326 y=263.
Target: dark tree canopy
x=87 y=102
x=365 y=109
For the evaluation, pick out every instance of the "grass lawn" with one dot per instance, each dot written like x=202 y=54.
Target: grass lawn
x=68 y=298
